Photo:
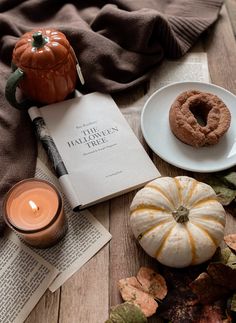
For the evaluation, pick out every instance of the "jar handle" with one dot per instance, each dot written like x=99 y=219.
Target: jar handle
x=10 y=89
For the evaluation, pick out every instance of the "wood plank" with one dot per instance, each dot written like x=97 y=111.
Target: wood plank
x=231 y=8
x=84 y=297
x=221 y=52
x=46 y=310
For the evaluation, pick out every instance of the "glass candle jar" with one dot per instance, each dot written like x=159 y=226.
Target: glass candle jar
x=33 y=208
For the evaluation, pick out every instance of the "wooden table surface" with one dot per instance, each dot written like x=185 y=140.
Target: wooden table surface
x=87 y=296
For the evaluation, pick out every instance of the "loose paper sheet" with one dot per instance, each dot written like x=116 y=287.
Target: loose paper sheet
x=192 y=67
x=24 y=278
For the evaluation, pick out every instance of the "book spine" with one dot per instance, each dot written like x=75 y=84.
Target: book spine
x=54 y=156
x=49 y=146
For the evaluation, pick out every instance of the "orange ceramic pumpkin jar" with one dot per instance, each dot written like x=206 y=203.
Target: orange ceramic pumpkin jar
x=45 y=66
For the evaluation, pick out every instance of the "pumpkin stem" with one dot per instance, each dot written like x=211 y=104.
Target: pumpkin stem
x=181 y=215
x=38 y=39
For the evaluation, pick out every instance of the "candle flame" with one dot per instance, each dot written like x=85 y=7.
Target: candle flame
x=33 y=206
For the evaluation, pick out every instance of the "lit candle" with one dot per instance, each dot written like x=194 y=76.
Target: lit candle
x=34 y=209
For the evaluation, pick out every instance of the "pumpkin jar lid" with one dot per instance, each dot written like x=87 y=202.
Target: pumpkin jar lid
x=41 y=49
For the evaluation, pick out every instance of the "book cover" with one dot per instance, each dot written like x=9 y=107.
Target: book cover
x=101 y=153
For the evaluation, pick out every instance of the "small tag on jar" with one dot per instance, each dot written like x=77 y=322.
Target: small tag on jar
x=79 y=72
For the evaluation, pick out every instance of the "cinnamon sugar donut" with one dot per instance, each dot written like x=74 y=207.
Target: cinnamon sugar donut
x=199 y=118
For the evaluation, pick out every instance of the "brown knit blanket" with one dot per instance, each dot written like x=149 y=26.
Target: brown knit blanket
x=117 y=42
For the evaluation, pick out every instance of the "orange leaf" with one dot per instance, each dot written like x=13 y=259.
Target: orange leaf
x=152 y=282
x=131 y=291
x=143 y=290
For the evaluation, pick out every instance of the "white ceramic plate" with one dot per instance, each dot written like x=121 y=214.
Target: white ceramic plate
x=157 y=133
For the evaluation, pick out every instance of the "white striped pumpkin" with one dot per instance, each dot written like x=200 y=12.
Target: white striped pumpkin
x=177 y=220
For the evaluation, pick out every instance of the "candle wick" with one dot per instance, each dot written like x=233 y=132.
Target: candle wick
x=33 y=206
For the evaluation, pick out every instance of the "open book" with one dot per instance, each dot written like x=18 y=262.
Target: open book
x=101 y=154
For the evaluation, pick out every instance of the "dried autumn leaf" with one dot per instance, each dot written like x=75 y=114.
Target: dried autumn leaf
x=224 y=193
x=180 y=306
x=152 y=282
x=180 y=279
x=221 y=255
x=131 y=291
x=231 y=308
x=126 y=313
x=231 y=261
x=212 y=314
x=131 y=281
x=233 y=303
x=230 y=240
x=222 y=275
x=222 y=269
x=226 y=257
x=206 y=289
x=229 y=179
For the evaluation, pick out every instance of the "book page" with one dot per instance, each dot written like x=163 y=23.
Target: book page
x=192 y=67
x=24 y=278
x=85 y=237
